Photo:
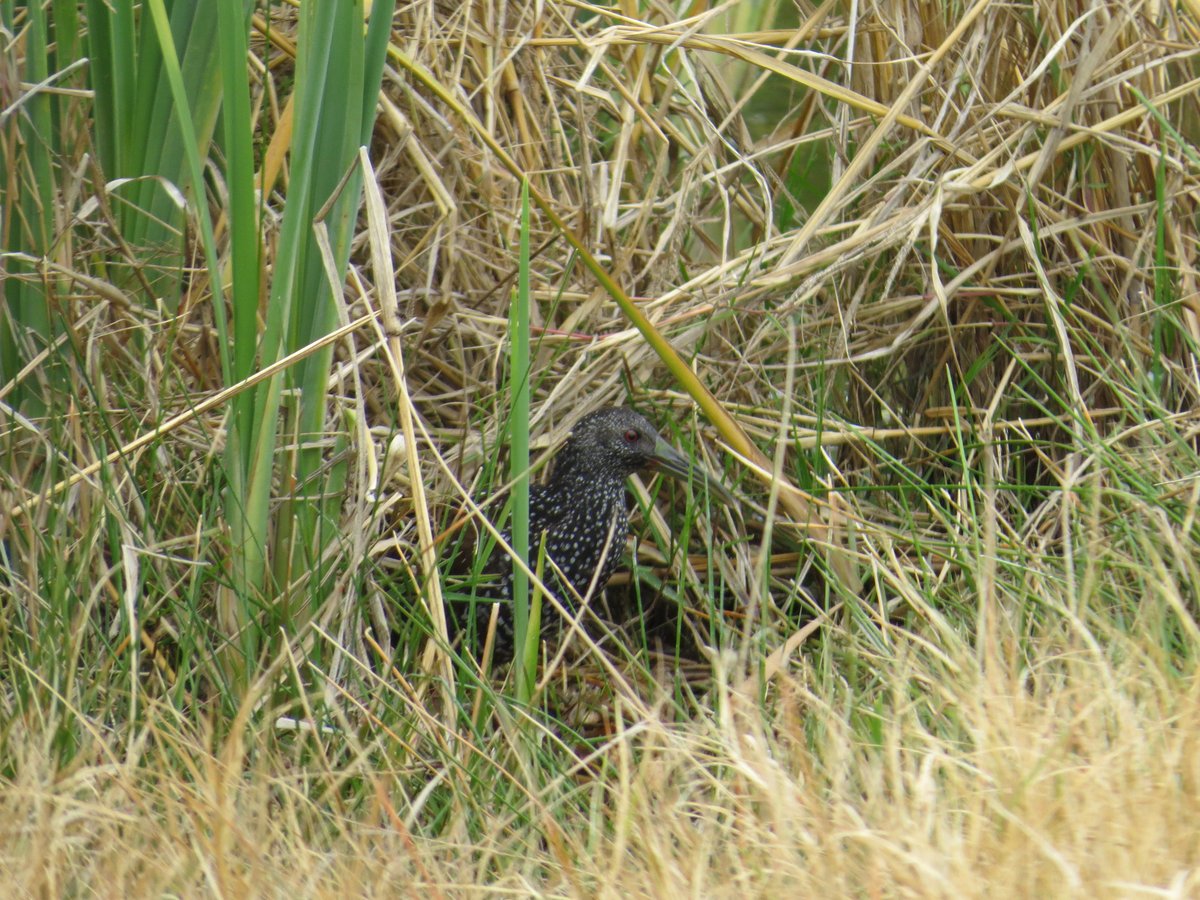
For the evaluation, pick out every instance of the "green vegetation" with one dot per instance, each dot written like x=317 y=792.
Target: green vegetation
x=295 y=296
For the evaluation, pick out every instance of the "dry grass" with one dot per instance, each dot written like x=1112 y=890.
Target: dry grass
x=938 y=262
x=1076 y=778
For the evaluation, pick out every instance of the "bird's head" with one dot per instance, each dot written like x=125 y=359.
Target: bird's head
x=617 y=442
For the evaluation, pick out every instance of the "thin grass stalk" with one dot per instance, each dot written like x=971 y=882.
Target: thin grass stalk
x=244 y=272
x=524 y=627
x=242 y=220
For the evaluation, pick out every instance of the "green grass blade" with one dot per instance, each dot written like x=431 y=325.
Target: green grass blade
x=526 y=637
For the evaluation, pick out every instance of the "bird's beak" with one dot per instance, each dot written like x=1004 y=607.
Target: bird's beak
x=673 y=463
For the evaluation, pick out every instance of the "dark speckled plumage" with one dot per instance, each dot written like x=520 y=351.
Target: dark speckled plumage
x=583 y=511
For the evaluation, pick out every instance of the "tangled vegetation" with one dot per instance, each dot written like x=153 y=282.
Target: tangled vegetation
x=917 y=279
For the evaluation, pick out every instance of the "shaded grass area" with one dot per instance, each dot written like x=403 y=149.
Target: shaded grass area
x=943 y=285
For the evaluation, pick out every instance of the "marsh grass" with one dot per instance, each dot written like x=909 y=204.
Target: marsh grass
x=919 y=283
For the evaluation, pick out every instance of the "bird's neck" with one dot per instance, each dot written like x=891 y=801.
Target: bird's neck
x=567 y=469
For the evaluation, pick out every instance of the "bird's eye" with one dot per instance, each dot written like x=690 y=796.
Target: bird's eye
x=632 y=436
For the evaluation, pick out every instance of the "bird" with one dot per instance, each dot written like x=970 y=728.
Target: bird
x=583 y=513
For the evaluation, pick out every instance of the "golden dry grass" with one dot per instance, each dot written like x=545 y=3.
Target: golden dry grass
x=1052 y=785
